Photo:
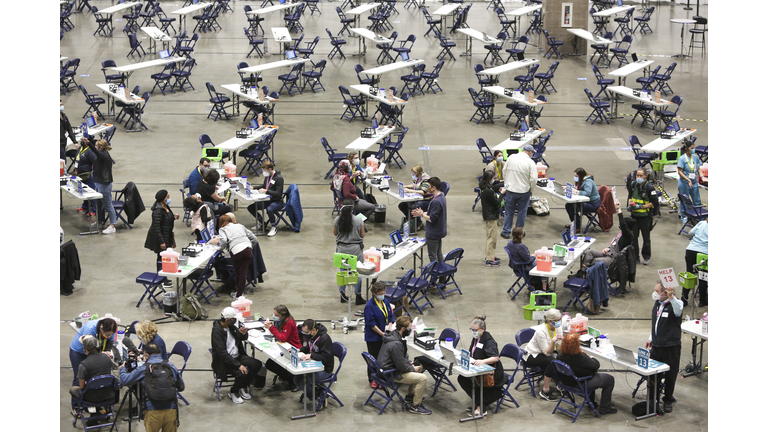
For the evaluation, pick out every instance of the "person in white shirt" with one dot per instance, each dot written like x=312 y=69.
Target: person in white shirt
x=540 y=350
x=520 y=179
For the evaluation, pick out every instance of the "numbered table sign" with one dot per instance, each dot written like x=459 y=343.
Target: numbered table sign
x=401 y=189
x=668 y=279
x=247 y=189
x=294 y=357
x=568 y=190
x=464 y=359
x=643 y=357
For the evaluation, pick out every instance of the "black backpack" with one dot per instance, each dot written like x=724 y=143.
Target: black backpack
x=160 y=385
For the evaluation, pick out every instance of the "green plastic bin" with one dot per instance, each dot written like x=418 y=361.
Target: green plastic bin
x=687 y=280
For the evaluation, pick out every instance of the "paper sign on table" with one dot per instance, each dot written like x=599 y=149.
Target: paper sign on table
x=568 y=190
x=643 y=357
x=464 y=359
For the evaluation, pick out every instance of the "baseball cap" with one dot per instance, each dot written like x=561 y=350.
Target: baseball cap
x=230 y=312
x=89 y=342
x=528 y=147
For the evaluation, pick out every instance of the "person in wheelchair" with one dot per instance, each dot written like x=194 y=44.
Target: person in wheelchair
x=96 y=363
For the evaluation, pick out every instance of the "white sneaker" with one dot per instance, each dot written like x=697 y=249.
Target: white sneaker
x=235 y=398
x=109 y=230
x=272 y=232
x=244 y=394
x=233 y=295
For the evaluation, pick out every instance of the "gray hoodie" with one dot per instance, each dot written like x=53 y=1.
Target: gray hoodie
x=394 y=355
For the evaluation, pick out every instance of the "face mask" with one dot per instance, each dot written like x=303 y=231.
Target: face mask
x=576 y=179
x=640 y=180
x=168 y=202
x=557 y=324
x=61 y=108
x=500 y=159
x=267 y=173
x=407 y=332
x=414 y=177
x=656 y=296
x=356 y=161
x=275 y=319
x=475 y=334
x=206 y=170
x=380 y=298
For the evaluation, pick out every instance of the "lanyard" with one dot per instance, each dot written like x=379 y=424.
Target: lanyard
x=312 y=345
x=551 y=333
x=498 y=171
x=661 y=308
x=690 y=164
x=383 y=309
x=475 y=341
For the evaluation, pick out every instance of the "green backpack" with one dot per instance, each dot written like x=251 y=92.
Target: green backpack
x=191 y=309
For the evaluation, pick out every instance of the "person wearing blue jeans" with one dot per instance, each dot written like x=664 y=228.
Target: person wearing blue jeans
x=102 y=178
x=688 y=172
x=585 y=185
x=520 y=177
x=437 y=220
x=273 y=186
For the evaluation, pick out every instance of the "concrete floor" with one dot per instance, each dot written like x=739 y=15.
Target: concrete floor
x=300 y=273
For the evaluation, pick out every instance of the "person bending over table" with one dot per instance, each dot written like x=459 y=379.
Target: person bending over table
x=318 y=347
x=583 y=365
x=420 y=186
x=699 y=244
x=521 y=254
x=607 y=255
x=239 y=242
x=688 y=176
x=378 y=320
x=664 y=342
x=437 y=220
x=147 y=332
x=343 y=183
x=585 y=184
x=496 y=166
x=229 y=357
x=160 y=235
x=201 y=214
x=103 y=330
x=393 y=355
x=283 y=328
x=540 y=350
x=349 y=231
x=273 y=186
x=198 y=173
x=490 y=202
x=207 y=191
x=483 y=350
x=102 y=178
x=358 y=174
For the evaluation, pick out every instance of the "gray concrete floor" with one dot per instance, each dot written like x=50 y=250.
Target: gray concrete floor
x=300 y=272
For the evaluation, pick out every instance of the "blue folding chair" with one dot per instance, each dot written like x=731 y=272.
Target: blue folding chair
x=599 y=22
x=93 y=101
x=446 y=271
x=483 y=106
x=417 y=287
x=353 y=105
x=602 y=82
x=568 y=392
x=393 y=149
x=345 y=22
x=642 y=21
x=643 y=159
x=333 y=157
x=405 y=45
x=531 y=374
x=119 y=205
x=514 y=353
x=599 y=109
x=67 y=75
x=312 y=76
x=151 y=282
x=579 y=287
x=254 y=21
x=104 y=414
x=621 y=50
x=666 y=116
x=386 y=381
x=430 y=78
x=517 y=47
x=434 y=24
x=507 y=24
x=386 y=48
x=340 y=352
x=412 y=81
x=163 y=78
x=310 y=48
x=439 y=372
x=662 y=80
x=336 y=43
x=693 y=213
x=291 y=80
x=545 y=79
x=446 y=45
x=135 y=45
x=647 y=81
x=218 y=101
x=485 y=152
x=200 y=280
x=183 y=74
x=222 y=382
x=553 y=43
x=254 y=42
x=523 y=280
x=494 y=48
x=526 y=81
x=625 y=22
x=184 y=350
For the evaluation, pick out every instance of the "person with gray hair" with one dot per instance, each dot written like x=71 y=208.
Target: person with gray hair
x=520 y=178
x=542 y=347
x=96 y=363
x=483 y=350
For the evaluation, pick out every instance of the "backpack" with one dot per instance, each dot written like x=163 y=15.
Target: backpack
x=160 y=385
x=191 y=309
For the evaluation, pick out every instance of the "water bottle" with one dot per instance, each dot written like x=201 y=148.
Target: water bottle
x=448 y=343
x=551 y=183
x=592 y=344
x=79 y=186
x=571 y=254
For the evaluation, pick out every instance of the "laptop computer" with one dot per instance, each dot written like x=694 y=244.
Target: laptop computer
x=449 y=355
x=566 y=235
x=165 y=54
x=404 y=56
x=397 y=239
x=619 y=2
x=520 y=56
x=634 y=57
x=290 y=54
x=624 y=355
x=675 y=125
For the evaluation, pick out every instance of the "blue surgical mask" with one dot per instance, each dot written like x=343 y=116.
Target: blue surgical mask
x=500 y=159
x=640 y=180
x=414 y=177
x=61 y=108
x=576 y=179
x=275 y=319
x=380 y=298
x=168 y=202
x=557 y=324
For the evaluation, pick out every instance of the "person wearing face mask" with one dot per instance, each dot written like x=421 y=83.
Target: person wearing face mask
x=358 y=174
x=664 y=341
x=585 y=184
x=349 y=232
x=229 y=356
x=496 y=166
x=394 y=355
x=420 y=186
x=160 y=235
x=378 y=320
x=239 y=242
x=66 y=131
x=540 y=350
x=94 y=364
x=273 y=186
x=198 y=173
x=283 y=328
x=318 y=346
x=688 y=181
x=343 y=183
x=583 y=365
x=436 y=216
x=483 y=350
x=102 y=178
x=103 y=330
x=201 y=214
x=520 y=178
x=642 y=202
x=699 y=245
x=207 y=191
x=490 y=202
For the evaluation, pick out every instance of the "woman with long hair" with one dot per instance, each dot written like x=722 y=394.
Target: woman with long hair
x=147 y=332
x=585 y=184
x=583 y=365
x=283 y=328
x=349 y=232
x=102 y=178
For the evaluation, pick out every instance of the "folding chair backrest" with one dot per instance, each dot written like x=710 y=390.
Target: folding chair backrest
x=524 y=336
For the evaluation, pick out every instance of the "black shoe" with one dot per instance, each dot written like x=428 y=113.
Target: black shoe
x=667 y=407
x=685 y=301
x=547 y=396
x=609 y=410
x=344 y=298
x=295 y=388
x=409 y=399
x=359 y=300
x=506 y=236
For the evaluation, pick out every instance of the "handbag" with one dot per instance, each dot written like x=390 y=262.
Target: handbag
x=487 y=380
x=541 y=207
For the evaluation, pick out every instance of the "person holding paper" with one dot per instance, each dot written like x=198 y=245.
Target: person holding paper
x=483 y=350
x=273 y=186
x=585 y=185
x=349 y=231
x=688 y=181
x=239 y=241
x=378 y=319
x=583 y=365
x=664 y=342
x=318 y=347
x=229 y=357
x=540 y=350
x=343 y=183
x=436 y=216
x=283 y=328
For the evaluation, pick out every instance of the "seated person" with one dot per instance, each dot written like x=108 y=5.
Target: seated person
x=607 y=255
x=393 y=355
x=540 y=350
x=318 y=347
x=273 y=186
x=283 y=328
x=483 y=351
x=198 y=173
x=496 y=166
x=201 y=214
x=521 y=254
x=358 y=174
x=229 y=354
x=96 y=363
x=583 y=365
x=585 y=185
x=343 y=183
x=420 y=186
x=207 y=191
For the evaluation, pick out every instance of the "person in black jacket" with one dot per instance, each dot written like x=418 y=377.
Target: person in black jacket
x=102 y=178
x=229 y=355
x=490 y=202
x=273 y=186
x=394 y=355
x=583 y=365
x=665 y=344
x=207 y=191
x=160 y=235
x=96 y=363
x=483 y=350
x=607 y=255
x=643 y=203
x=66 y=130
x=318 y=347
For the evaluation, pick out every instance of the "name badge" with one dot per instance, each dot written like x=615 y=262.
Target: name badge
x=665 y=314
x=479 y=345
x=692 y=176
x=271 y=182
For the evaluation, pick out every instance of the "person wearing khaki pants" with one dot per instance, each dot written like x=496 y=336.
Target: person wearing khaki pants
x=490 y=201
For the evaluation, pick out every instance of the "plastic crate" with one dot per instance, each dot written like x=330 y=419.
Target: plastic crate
x=687 y=280
x=346 y=278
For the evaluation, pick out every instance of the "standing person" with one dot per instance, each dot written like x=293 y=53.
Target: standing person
x=159 y=416
x=239 y=242
x=540 y=350
x=585 y=184
x=420 y=186
x=207 y=191
x=437 y=220
x=496 y=166
x=66 y=131
x=349 y=231
x=102 y=178
x=583 y=365
x=665 y=344
x=84 y=169
x=319 y=347
x=160 y=235
x=688 y=177
x=358 y=174
x=147 y=332
x=483 y=350
x=394 y=355
x=283 y=328
x=229 y=354
x=490 y=202
x=642 y=201
x=343 y=184
x=378 y=320
x=273 y=186
x=699 y=244
x=201 y=214
x=520 y=178
x=198 y=173
x=103 y=330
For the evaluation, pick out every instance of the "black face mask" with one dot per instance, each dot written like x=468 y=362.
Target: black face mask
x=406 y=333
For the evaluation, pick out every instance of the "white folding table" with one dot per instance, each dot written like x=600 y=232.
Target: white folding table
x=444 y=11
x=364 y=33
x=376 y=72
x=602 y=61
x=131 y=100
x=156 y=35
x=622 y=72
x=475 y=34
x=509 y=144
x=183 y=12
x=624 y=91
x=521 y=98
x=185 y=271
x=128 y=70
x=114 y=9
x=88 y=194
x=237 y=95
x=494 y=72
x=357 y=11
x=361 y=144
x=235 y=144
x=519 y=12
x=380 y=96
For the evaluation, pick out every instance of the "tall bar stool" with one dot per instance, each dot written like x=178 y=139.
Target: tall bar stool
x=700 y=28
